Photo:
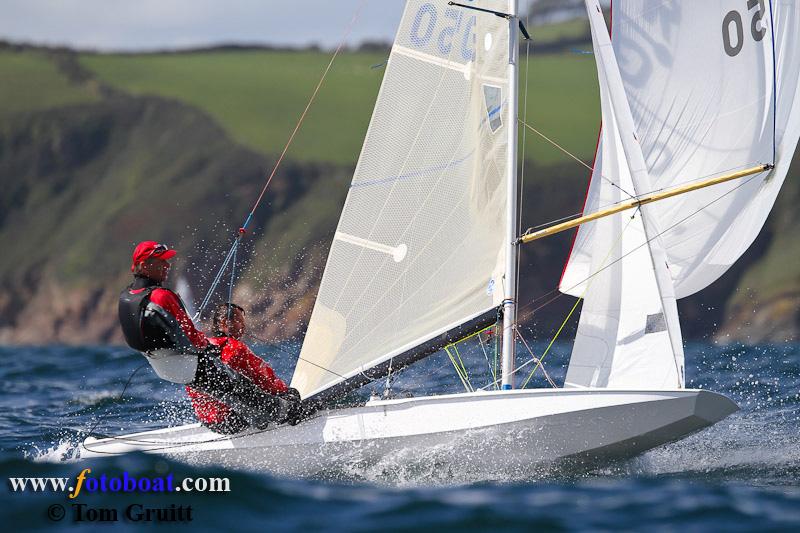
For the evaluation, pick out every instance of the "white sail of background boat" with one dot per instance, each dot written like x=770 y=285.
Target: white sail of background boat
x=425 y=250
x=698 y=77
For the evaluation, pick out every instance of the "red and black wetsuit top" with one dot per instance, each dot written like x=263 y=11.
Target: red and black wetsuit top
x=153 y=317
x=240 y=358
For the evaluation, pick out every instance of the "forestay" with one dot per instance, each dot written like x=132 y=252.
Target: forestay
x=699 y=77
x=419 y=246
x=629 y=333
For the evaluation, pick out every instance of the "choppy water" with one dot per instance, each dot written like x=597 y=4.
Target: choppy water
x=742 y=474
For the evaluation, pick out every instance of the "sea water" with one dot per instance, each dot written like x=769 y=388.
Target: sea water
x=741 y=474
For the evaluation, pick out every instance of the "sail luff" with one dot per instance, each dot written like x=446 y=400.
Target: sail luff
x=606 y=59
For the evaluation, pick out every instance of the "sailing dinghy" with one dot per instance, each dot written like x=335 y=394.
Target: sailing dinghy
x=701 y=117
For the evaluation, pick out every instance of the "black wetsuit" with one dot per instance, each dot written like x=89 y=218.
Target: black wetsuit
x=154 y=322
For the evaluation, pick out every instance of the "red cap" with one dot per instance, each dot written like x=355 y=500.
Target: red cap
x=147 y=249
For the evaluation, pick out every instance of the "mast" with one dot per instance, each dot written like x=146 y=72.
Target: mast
x=510 y=281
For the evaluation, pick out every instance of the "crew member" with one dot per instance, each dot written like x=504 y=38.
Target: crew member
x=229 y=327
x=155 y=322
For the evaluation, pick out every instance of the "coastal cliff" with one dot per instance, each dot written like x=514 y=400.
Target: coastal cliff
x=90 y=166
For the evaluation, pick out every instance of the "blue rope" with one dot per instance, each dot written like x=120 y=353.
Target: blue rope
x=247 y=220
x=233 y=273
x=214 y=283
x=218 y=277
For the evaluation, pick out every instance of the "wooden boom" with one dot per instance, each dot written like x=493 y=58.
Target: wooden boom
x=636 y=202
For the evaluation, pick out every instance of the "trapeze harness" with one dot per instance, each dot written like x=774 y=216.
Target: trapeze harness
x=158 y=335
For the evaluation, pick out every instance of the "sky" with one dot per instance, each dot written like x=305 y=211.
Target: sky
x=111 y=25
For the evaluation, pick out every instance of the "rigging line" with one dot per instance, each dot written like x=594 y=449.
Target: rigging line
x=277 y=347
x=520 y=367
x=300 y=121
x=486 y=356
x=458 y=370
x=323 y=368
x=349 y=28
x=582 y=296
x=454 y=346
x=555 y=221
x=538 y=364
x=521 y=193
x=496 y=351
x=213 y=287
x=463 y=367
x=687 y=217
x=573 y=156
x=119 y=399
x=233 y=278
x=552 y=341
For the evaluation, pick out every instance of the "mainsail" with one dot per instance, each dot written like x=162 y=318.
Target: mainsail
x=700 y=80
x=419 y=248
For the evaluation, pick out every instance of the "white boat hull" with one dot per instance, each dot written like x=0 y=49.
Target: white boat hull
x=523 y=427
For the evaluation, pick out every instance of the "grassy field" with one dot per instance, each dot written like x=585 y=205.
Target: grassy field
x=257 y=97
x=568 y=30
x=30 y=82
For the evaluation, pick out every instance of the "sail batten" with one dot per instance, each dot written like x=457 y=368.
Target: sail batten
x=419 y=247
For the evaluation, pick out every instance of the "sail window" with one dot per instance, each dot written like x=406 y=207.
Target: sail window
x=494 y=105
x=655 y=323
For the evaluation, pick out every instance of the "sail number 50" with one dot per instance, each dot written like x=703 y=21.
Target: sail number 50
x=455 y=31
x=733 y=28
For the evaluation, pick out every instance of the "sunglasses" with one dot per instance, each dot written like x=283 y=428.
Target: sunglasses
x=158 y=250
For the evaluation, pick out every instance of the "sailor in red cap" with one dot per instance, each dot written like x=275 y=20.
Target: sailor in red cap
x=155 y=322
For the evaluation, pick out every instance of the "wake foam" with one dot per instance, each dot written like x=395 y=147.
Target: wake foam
x=63 y=451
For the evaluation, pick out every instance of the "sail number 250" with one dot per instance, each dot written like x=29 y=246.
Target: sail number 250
x=456 y=31
x=733 y=28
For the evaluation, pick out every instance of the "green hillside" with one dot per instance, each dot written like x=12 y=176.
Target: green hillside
x=570 y=31
x=100 y=151
x=257 y=97
x=31 y=82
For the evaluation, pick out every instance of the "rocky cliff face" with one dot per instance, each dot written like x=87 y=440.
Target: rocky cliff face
x=764 y=305
x=83 y=183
